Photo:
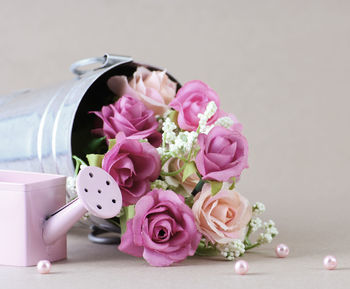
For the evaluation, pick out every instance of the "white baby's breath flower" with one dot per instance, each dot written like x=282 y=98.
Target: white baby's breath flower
x=70 y=186
x=210 y=109
x=183 y=143
x=166 y=113
x=160 y=151
x=255 y=224
x=169 y=137
x=202 y=124
x=269 y=233
x=168 y=125
x=208 y=128
x=232 y=249
x=159 y=184
x=258 y=208
x=269 y=224
x=270 y=228
x=224 y=121
x=204 y=117
x=168 y=128
x=265 y=238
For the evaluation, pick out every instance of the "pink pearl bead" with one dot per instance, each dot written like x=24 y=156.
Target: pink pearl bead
x=330 y=262
x=282 y=250
x=241 y=267
x=43 y=266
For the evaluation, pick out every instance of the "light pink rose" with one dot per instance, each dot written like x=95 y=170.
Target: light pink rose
x=173 y=165
x=192 y=99
x=223 y=154
x=222 y=217
x=153 y=88
x=163 y=229
x=130 y=116
x=133 y=164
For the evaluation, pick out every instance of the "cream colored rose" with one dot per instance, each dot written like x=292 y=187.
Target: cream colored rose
x=222 y=217
x=153 y=88
x=173 y=165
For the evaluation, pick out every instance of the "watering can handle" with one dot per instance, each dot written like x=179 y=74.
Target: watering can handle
x=105 y=61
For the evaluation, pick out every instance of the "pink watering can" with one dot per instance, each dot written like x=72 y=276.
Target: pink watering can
x=36 y=219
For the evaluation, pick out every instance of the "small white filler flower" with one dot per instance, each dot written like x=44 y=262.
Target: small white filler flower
x=269 y=233
x=231 y=250
x=258 y=208
x=255 y=224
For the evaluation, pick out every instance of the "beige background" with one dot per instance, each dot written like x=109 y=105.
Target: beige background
x=283 y=67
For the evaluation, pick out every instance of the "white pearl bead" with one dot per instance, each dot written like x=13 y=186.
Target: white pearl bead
x=330 y=262
x=282 y=250
x=241 y=267
x=43 y=266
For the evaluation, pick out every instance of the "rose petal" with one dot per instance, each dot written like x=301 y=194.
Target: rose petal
x=127 y=245
x=222 y=217
x=157 y=259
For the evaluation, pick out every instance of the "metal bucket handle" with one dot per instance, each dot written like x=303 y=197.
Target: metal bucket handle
x=106 y=61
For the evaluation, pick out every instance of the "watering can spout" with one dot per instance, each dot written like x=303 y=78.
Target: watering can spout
x=98 y=194
x=59 y=223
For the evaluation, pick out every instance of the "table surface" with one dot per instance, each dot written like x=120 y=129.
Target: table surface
x=103 y=266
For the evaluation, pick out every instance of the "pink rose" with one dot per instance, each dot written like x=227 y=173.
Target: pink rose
x=222 y=217
x=133 y=164
x=192 y=99
x=153 y=88
x=130 y=116
x=223 y=154
x=163 y=229
x=173 y=165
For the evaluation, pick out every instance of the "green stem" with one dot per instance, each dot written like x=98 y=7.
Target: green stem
x=190 y=154
x=171 y=174
x=247 y=242
x=248 y=233
x=78 y=163
x=198 y=187
x=129 y=213
x=207 y=252
x=252 y=246
x=165 y=160
x=163 y=140
x=183 y=159
x=204 y=250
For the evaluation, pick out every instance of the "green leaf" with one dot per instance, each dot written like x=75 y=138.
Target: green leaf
x=95 y=160
x=129 y=213
x=96 y=143
x=190 y=169
x=233 y=184
x=173 y=116
x=111 y=143
x=189 y=201
x=78 y=163
x=206 y=250
x=215 y=187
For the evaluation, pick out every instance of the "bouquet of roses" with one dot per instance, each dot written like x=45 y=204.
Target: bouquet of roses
x=176 y=156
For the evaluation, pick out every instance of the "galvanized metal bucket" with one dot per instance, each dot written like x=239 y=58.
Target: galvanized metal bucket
x=38 y=127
